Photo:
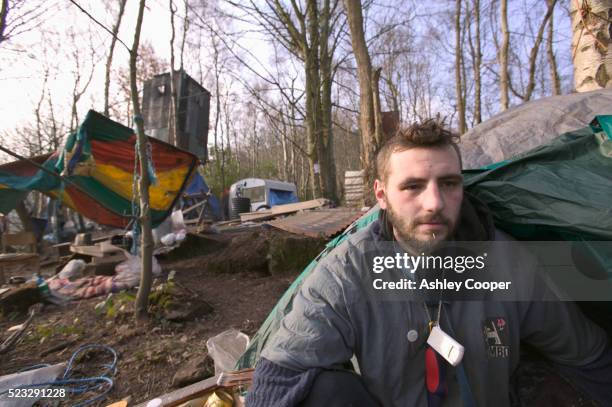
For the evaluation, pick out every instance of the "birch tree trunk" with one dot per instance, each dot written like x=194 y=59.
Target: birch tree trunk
x=369 y=102
x=146 y=249
x=503 y=57
x=591 y=25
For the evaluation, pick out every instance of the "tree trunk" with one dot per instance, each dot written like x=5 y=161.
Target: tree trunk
x=458 y=69
x=369 y=110
x=109 y=59
x=477 y=65
x=313 y=109
x=503 y=57
x=185 y=29
x=4 y=9
x=146 y=250
x=591 y=44
x=535 y=49
x=173 y=119
x=328 y=164
x=552 y=60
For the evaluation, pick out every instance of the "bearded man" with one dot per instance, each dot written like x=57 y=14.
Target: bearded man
x=336 y=317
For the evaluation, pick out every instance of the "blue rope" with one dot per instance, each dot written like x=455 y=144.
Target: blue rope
x=83 y=385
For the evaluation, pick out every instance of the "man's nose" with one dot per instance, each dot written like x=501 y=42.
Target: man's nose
x=433 y=201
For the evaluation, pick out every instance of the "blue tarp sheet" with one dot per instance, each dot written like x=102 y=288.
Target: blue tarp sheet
x=198 y=185
x=278 y=197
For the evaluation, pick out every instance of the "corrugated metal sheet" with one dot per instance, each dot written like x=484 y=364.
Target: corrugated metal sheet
x=318 y=223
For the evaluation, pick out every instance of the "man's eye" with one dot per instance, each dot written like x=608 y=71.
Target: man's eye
x=411 y=187
x=450 y=184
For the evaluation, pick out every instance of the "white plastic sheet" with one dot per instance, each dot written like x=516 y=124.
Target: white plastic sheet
x=226 y=348
x=12 y=381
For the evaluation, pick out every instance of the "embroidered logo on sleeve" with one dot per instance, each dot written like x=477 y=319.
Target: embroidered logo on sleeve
x=495 y=331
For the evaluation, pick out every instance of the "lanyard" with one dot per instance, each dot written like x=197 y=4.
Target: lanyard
x=435 y=367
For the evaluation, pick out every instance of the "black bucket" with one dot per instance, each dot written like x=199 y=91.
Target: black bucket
x=239 y=205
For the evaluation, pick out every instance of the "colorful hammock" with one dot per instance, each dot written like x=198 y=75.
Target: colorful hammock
x=97 y=167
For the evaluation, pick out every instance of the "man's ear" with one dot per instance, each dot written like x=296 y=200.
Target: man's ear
x=379 y=193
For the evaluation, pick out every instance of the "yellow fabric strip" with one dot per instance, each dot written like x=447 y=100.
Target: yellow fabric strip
x=161 y=195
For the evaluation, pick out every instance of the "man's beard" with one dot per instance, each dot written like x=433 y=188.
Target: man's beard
x=406 y=231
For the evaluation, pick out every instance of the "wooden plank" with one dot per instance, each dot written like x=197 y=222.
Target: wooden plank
x=94 y=251
x=19 y=239
x=185 y=394
x=353 y=173
x=194 y=207
x=101 y=249
x=283 y=210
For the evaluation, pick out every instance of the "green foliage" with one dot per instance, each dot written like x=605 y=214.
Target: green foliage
x=113 y=304
x=163 y=296
x=46 y=331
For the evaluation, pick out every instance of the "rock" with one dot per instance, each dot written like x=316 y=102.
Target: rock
x=186 y=311
x=198 y=368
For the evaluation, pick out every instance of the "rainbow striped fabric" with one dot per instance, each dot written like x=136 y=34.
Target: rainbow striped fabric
x=97 y=164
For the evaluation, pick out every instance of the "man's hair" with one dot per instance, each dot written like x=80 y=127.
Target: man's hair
x=429 y=134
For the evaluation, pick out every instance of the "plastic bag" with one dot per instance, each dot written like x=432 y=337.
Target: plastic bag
x=169 y=239
x=73 y=269
x=131 y=266
x=180 y=235
x=13 y=381
x=226 y=348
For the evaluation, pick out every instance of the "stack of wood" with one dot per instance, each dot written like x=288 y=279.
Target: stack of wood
x=353 y=189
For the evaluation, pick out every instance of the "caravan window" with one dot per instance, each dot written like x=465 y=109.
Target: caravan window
x=255 y=194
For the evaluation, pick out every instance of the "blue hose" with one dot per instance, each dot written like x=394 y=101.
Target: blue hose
x=83 y=385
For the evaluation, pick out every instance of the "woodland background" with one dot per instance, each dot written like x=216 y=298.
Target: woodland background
x=286 y=75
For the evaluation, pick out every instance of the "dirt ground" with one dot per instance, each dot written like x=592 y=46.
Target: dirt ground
x=150 y=354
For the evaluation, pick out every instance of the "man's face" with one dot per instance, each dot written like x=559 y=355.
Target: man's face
x=422 y=195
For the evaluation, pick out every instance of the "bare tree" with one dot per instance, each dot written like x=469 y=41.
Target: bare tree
x=109 y=58
x=3 y=14
x=82 y=80
x=311 y=33
x=146 y=249
x=550 y=53
x=20 y=16
x=503 y=57
x=476 y=56
x=172 y=117
x=534 y=50
x=148 y=64
x=370 y=121
x=458 y=69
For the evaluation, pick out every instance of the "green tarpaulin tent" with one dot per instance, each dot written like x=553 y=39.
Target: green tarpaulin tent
x=561 y=190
